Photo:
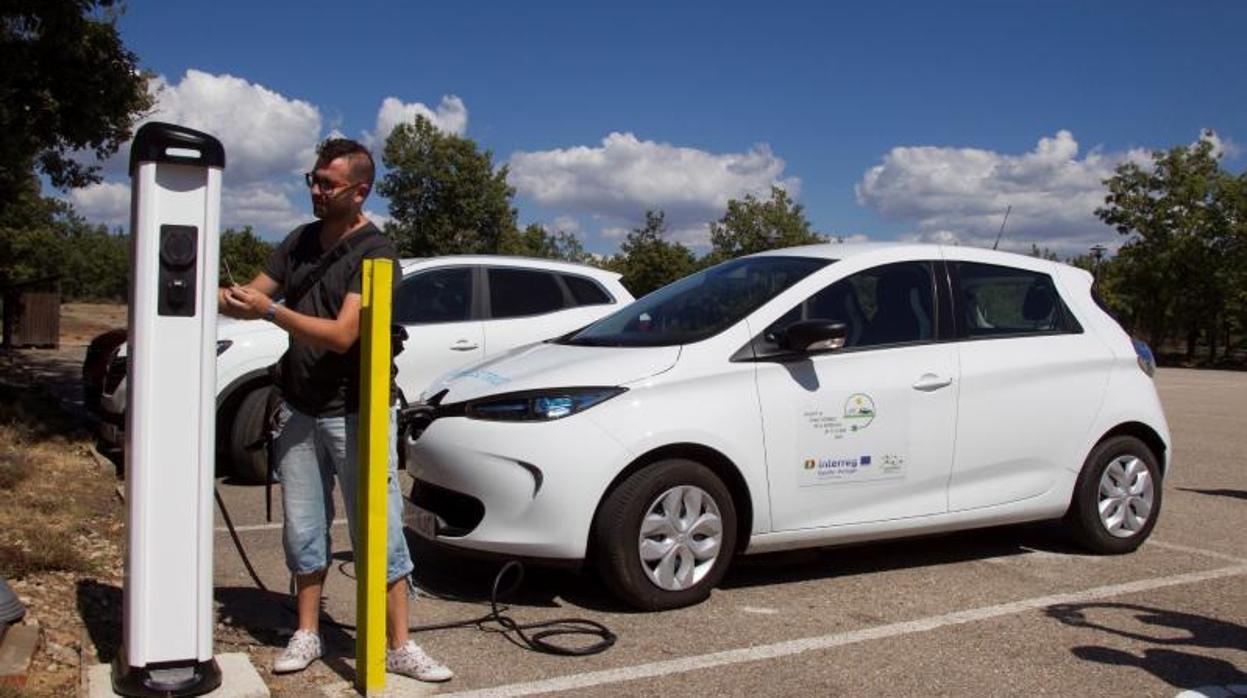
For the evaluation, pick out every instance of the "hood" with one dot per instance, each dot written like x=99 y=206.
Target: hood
x=231 y=328
x=539 y=366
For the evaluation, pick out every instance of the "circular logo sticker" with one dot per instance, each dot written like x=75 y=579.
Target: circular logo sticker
x=859 y=411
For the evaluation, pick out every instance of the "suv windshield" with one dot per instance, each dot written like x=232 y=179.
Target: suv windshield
x=698 y=306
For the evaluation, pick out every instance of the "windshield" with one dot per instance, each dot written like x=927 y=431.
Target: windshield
x=698 y=306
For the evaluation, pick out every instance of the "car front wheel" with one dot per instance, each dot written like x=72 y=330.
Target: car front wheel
x=248 y=449
x=1117 y=496
x=665 y=536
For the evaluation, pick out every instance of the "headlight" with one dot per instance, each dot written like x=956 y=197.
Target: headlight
x=222 y=345
x=538 y=405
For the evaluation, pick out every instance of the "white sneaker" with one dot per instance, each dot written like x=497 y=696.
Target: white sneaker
x=304 y=648
x=410 y=660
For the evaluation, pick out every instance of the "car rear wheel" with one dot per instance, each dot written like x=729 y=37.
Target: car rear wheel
x=247 y=448
x=1117 y=497
x=665 y=536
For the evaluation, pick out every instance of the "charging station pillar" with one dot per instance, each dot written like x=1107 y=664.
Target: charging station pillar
x=175 y=203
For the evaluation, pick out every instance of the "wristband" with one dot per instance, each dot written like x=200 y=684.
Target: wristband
x=271 y=313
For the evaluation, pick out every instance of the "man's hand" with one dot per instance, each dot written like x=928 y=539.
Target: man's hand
x=245 y=303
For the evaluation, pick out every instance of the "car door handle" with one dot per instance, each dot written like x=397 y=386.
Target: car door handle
x=464 y=345
x=930 y=382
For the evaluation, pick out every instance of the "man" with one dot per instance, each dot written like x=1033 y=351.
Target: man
x=319 y=268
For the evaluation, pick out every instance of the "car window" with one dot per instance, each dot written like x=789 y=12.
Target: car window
x=519 y=292
x=437 y=295
x=585 y=291
x=998 y=300
x=890 y=304
x=701 y=305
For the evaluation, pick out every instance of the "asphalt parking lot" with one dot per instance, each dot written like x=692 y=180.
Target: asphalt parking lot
x=1004 y=611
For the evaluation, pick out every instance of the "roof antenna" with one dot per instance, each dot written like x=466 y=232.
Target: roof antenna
x=1002 y=226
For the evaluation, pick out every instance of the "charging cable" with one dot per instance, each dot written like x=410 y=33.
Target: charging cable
x=519 y=634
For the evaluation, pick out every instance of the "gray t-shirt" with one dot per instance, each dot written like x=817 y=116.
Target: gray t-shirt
x=317 y=381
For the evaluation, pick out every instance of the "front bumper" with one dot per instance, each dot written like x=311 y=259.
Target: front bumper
x=522 y=489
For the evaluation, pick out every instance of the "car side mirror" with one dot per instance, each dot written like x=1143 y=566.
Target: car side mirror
x=814 y=336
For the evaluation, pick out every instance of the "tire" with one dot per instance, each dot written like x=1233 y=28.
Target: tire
x=1117 y=497
x=249 y=461
x=642 y=574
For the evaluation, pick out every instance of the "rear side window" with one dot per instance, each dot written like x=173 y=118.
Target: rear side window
x=519 y=292
x=585 y=292
x=439 y=295
x=997 y=301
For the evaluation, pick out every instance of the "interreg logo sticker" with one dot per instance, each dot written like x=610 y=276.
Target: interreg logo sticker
x=859 y=410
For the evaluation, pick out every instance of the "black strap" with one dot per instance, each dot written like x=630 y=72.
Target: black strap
x=294 y=295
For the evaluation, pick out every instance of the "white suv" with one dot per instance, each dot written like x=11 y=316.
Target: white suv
x=456 y=309
x=796 y=398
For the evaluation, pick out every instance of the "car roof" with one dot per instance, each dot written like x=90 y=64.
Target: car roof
x=846 y=250
x=411 y=263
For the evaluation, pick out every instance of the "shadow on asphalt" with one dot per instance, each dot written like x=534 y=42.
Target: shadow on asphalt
x=1167 y=632
x=1233 y=494
x=868 y=558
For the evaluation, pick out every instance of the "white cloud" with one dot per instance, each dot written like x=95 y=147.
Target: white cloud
x=265 y=134
x=266 y=207
x=106 y=202
x=566 y=224
x=626 y=176
x=451 y=116
x=961 y=194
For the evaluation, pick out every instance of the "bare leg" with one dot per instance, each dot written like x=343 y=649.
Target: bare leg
x=396 y=613
x=308 y=589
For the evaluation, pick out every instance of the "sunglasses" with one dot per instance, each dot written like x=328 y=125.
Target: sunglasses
x=323 y=185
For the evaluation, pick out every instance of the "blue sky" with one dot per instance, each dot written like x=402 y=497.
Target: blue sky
x=886 y=120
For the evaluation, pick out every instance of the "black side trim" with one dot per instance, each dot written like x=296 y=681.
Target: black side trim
x=154 y=139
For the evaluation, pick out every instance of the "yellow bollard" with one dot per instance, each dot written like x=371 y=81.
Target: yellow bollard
x=374 y=455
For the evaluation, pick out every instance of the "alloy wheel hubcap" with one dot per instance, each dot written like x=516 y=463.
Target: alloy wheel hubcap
x=1127 y=495
x=680 y=537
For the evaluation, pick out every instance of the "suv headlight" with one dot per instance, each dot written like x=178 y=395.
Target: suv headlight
x=538 y=405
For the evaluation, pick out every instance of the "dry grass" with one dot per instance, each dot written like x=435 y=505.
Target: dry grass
x=80 y=322
x=61 y=531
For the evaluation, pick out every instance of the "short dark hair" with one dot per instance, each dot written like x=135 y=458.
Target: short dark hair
x=362 y=167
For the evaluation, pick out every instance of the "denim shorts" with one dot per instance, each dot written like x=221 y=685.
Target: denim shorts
x=310 y=452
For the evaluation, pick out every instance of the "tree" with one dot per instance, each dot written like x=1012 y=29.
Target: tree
x=445 y=195
x=68 y=84
x=751 y=225
x=245 y=253
x=536 y=241
x=42 y=237
x=648 y=261
x=1177 y=213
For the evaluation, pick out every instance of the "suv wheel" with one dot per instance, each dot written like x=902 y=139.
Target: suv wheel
x=248 y=450
x=1117 y=496
x=664 y=537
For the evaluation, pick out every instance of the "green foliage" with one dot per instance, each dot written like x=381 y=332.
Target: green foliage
x=68 y=84
x=751 y=225
x=245 y=253
x=42 y=238
x=536 y=241
x=445 y=195
x=1179 y=276
x=648 y=261
x=1044 y=253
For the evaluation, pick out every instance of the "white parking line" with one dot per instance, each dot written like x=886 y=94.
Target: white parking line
x=1195 y=551
x=791 y=647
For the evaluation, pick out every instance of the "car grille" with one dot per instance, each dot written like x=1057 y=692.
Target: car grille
x=461 y=512
x=116 y=373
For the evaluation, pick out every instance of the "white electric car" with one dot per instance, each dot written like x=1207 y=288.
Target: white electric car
x=456 y=309
x=796 y=398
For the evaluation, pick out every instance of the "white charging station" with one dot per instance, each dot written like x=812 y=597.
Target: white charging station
x=175 y=204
